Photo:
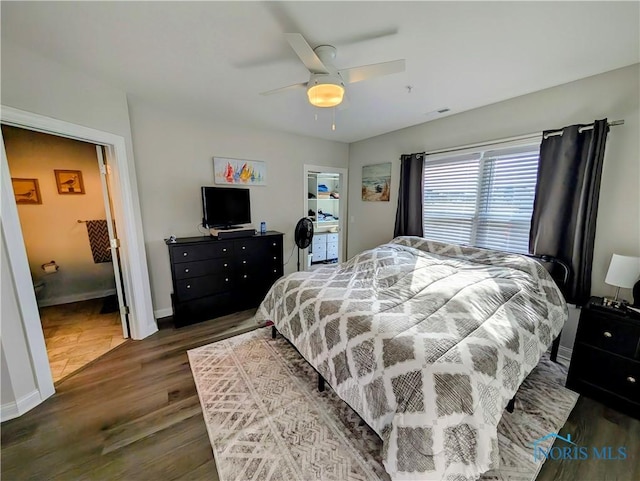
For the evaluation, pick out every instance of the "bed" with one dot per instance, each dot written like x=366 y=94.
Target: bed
x=426 y=341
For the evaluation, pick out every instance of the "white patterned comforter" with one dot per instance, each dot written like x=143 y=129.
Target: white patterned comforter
x=427 y=342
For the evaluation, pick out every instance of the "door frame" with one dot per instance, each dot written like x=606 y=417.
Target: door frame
x=127 y=216
x=342 y=223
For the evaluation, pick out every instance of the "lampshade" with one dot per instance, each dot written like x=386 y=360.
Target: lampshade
x=327 y=93
x=623 y=271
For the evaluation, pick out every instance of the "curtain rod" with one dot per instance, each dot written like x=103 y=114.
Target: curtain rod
x=536 y=135
x=613 y=123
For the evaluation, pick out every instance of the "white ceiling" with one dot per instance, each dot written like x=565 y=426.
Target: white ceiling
x=214 y=58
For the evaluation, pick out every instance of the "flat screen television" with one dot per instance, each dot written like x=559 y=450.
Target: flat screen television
x=225 y=208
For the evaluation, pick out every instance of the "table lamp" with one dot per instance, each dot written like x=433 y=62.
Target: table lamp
x=624 y=271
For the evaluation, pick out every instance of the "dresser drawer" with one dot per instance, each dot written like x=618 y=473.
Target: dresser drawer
x=275 y=245
x=255 y=264
x=186 y=270
x=607 y=371
x=248 y=248
x=203 y=308
x=332 y=250
x=609 y=334
x=202 y=286
x=332 y=238
x=210 y=250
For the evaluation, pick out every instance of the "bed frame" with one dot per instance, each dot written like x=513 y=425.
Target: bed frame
x=561 y=276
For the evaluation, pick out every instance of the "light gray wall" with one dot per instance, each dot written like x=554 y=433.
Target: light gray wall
x=614 y=95
x=174 y=158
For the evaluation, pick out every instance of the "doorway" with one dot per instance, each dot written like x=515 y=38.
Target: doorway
x=25 y=325
x=64 y=210
x=325 y=203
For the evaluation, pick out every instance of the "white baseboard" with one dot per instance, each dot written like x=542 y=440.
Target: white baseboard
x=160 y=313
x=84 y=296
x=20 y=406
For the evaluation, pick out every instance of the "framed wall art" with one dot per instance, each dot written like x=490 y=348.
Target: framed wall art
x=69 y=182
x=376 y=182
x=26 y=191
x=237 y=171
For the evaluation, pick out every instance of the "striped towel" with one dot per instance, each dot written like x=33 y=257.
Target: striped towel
x=99 y=240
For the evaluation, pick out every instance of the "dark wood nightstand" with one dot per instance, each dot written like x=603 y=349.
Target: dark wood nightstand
x=605 y=364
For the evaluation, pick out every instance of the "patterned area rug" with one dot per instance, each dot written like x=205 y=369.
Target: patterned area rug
x=267 y=421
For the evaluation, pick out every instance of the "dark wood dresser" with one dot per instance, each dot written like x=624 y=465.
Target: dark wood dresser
x=214 y=277
x=605 y=364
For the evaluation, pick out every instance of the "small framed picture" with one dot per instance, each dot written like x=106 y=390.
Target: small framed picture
x=26 y=191
x=69 y=182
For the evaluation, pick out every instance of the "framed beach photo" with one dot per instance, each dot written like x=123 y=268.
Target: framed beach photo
x=26 y=191
x=238 y=171
x=376 y=182
x=69 y=181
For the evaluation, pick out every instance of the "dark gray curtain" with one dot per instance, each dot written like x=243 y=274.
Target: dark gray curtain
x=563 y=224
x=409 y=213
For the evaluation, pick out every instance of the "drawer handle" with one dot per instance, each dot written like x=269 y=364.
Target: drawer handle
x=185 y=254
x=226 y=279
x=243 y=247
x=274 y=258
x=245 y=276
x=275 y=270
x=274 y=244
x=244 y=262
x=188 y=286
x=226 y=265
x=224 y=250
x=186 y=270
x=607 y=334
x=631 y=379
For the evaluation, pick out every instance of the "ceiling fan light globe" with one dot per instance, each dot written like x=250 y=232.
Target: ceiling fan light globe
x=325 y=94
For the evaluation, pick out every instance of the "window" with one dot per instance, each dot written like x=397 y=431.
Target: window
x=483 y=199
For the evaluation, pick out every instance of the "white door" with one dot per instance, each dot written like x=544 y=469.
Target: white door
x=114 y=242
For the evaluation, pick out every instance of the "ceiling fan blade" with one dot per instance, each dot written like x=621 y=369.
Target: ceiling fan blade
x=306 y=53
x=284 y=89
x=365 y=72
x=365 y=37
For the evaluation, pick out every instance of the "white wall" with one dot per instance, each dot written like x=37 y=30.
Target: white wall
x=7 y=395
x=174 y=158
x=614 y=95
x=51 y=230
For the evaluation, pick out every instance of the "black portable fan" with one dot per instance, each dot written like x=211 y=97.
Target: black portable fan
x=303 y=235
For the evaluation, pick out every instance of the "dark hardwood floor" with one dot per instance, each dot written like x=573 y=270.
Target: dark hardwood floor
x=134 y=414
x=591 y=424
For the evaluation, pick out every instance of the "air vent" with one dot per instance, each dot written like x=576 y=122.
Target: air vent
x=435 y=113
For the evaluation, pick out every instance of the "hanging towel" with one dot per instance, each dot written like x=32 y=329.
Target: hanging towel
x=99 y=240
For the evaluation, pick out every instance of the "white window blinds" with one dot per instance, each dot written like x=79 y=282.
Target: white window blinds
x=481 y=198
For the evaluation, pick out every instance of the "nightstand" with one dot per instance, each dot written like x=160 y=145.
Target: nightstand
x=605 y=364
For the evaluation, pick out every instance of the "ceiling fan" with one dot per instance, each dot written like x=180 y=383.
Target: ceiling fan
x=326 y=84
